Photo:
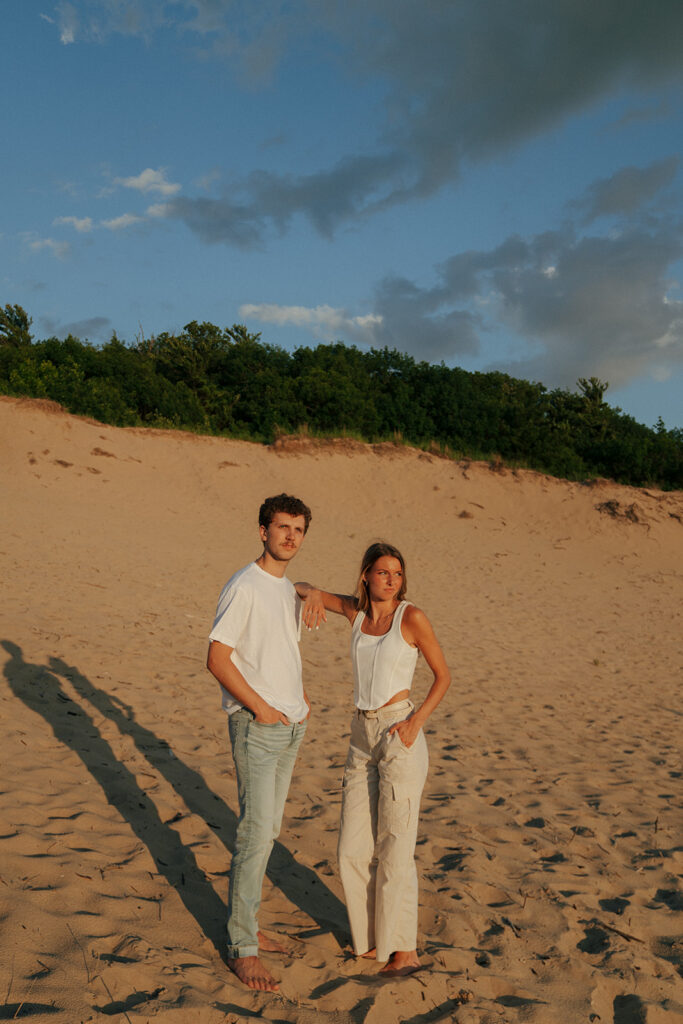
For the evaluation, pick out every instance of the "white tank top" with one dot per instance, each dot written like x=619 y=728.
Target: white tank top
x=382 y=665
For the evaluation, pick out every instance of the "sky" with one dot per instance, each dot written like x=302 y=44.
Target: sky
x=495 y=184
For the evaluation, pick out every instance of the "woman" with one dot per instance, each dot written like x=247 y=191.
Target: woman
x=387 y=761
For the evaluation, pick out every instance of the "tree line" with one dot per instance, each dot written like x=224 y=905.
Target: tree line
x=227 y=381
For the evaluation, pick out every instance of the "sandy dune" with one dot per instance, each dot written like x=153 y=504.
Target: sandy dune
x=550 y=844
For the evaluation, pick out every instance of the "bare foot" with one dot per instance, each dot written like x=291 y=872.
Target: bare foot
x=270 y=945
x=401 y=963
x=370 y=955
x=252 y=973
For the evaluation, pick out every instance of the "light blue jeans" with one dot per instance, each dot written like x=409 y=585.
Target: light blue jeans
x=264 y=758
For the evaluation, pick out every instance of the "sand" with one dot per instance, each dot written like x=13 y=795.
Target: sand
x=550 y=842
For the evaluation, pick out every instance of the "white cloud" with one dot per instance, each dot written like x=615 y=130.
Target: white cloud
x=100 y=18
x=118 y=223
x=324 y=322
x=81 y=224
x=157 y=210
x=466 y=83
x=150 y=180
x=68 y=23
x=673 y=335
x=462 y=83
x=58 y=249
x=575 y=304
x=581 y=305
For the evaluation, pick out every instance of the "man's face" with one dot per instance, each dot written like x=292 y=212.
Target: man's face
x=282 y=539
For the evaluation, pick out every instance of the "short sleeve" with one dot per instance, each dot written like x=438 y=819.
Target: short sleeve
x=232 y=614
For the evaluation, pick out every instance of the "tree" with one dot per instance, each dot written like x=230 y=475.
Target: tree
x=14 y=326
x=593 y=389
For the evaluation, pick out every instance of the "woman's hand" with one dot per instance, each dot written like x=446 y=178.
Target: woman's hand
x=314 y=609
x=317 y=602
x=408 y=730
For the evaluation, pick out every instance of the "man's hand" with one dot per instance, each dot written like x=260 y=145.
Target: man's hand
x=314 y=609
x=268 y=715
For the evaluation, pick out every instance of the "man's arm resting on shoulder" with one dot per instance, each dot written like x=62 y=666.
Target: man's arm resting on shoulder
x=221 y=665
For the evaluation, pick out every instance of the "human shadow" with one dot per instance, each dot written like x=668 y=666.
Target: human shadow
x=40 y=689
x=15 y=1011
x=298 y=883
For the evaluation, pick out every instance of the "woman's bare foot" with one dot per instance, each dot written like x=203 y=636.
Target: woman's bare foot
x=269 y=945
x=252 y=973
x=370 y=955
x=401 y=963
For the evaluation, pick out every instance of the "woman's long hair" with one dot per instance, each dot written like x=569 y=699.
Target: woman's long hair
x=374 y=552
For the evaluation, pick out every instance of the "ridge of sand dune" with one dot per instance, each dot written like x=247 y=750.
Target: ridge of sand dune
x=549 y=847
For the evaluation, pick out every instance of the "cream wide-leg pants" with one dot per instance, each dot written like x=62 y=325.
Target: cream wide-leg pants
x=383 y=783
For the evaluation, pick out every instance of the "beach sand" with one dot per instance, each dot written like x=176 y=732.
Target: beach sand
x=549 y=848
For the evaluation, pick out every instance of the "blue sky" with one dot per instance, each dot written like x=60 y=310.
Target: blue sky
x=492 y=183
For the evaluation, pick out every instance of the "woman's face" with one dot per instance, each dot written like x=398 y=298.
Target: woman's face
x=384 y=578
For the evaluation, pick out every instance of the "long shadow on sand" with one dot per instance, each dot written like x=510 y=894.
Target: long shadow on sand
x=40 y=689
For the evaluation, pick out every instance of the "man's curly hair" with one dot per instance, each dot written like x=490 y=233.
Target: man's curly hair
x=283 y=503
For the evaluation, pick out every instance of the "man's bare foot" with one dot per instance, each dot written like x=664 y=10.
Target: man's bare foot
x=269 y=945
x=370 y=955
x=401 y=963
x=252 y=973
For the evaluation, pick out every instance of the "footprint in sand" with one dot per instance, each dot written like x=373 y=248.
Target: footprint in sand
x=595 y=941
x=670 y=948
x=615 y=906
x=629 y=1009
x=672 y=898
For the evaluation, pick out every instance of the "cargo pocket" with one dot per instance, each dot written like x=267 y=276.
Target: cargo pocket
x=399 y=813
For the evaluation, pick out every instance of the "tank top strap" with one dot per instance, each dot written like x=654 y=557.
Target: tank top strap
x=400 y=612
x=355 y=628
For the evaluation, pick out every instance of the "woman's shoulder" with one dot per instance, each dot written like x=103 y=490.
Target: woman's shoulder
x=414 y=622
x=411 y=613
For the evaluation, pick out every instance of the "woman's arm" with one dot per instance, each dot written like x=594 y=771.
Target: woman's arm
x=317 y=602
x=417 y=631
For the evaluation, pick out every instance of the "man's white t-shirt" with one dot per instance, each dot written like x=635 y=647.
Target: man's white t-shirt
x=259 y=616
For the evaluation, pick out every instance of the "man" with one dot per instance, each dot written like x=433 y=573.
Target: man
x=254 y=655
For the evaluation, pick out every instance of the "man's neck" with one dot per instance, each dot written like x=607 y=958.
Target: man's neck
x=271 y=565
